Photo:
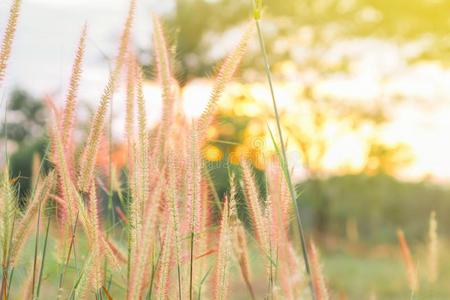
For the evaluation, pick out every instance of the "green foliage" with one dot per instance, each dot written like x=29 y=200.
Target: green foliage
x=379 y=204
x=25 y=127
x=21 y=162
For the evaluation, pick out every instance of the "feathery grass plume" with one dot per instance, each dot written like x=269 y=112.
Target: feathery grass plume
x=95 y=237
x=96 y=274
x=166 y=79
x=83 y=284
x=279 y=206
x=193 y=198
x=164 y=266
x=69 y=202
x=143 y=147
x=408 y=261
x=241 y=251
x=318 y=280
x=130 y=106
x=74 y=203
x=35 y=169
x=69 y=109
x=272 y=250
x=280 y=202
x=223 y=256
x=114 y=254
x=173 y=198
x=139 y=176
x=225 y=74
x=8 y=210
x=8 y=37
x=254 y=205
x=64 y=203
x=134 y=215
x=142 y=255
x=203 y=238
x=239 y=239
x=24 y=228
x=89 y=155
x=433 y=249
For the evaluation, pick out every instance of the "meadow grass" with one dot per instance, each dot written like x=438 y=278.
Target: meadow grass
x=168 y=236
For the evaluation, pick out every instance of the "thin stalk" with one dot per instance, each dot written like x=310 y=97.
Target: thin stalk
x=191 y=269
x=152 y=278
x=9 y=282
x=36 y=246
x=109 y=282
x=284 y=161
x=5 y=125
x=201 y=284
x=110 y=191
x=5 y=281
x=4 y=269
x=38 y=224
x=128 y=228
x=179 y=280
x=61 y=278
x=4 y=276
x=44 y=251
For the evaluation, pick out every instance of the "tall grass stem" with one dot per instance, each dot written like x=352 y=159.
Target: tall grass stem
x=284 y=163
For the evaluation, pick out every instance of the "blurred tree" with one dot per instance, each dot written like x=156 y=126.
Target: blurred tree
x=25 y=128
x=199 y=25
x=25 y=118
x=387 y=159
x=241 y=129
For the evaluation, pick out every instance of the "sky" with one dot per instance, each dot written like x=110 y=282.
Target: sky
x=48 y=32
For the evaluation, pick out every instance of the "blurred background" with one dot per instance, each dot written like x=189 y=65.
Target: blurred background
x=364 y=94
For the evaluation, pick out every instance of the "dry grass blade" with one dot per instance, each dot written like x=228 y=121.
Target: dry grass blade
x=408 y=261
x=318 y=280
x=433 y=249
x=23 y=228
